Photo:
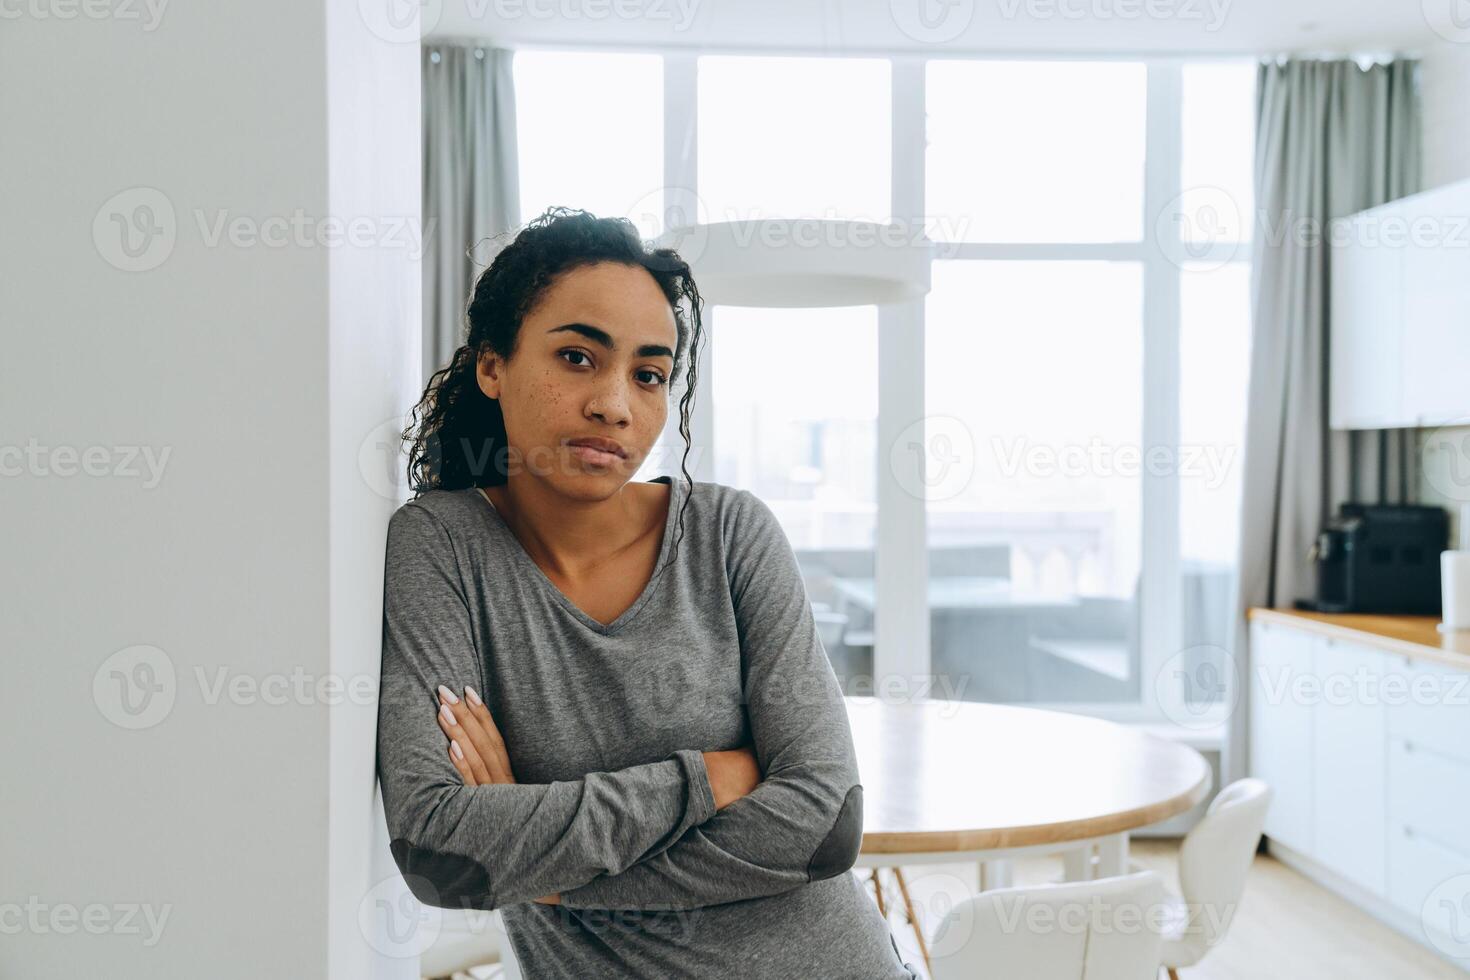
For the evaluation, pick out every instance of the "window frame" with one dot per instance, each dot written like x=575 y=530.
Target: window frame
x=902 y=648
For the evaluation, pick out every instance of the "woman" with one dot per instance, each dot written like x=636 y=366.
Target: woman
x=605 y=709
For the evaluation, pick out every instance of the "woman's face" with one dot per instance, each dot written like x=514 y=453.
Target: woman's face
x=593 y=361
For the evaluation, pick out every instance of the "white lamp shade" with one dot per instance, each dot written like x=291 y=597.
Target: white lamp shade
x=804 y=262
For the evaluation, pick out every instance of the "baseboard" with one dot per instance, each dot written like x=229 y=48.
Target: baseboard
x=1375 y=905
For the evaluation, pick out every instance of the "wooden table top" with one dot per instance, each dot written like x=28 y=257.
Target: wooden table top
x=961 y=776
x=1412 y=636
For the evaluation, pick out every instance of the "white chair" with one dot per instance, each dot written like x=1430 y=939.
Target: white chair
x=1213 y=862
x=1098 y=930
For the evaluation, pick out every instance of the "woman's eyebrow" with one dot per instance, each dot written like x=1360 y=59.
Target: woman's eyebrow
x=605 y=339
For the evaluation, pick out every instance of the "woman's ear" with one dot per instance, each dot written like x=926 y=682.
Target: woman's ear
x=487 y=372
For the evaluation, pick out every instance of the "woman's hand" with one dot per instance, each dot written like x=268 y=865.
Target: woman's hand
x=476 y=747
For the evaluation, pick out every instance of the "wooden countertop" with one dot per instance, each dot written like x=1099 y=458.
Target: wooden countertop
x=1412 y=636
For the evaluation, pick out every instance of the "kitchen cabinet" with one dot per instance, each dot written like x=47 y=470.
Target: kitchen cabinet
x=1365 y=369
x=1361 y=725
x=1349 y=759
x=1281 y=730
x=1399 y=301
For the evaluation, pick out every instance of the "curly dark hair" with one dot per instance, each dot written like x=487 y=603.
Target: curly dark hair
x=457 y=434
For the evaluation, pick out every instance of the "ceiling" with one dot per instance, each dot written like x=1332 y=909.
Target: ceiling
x=952 y=26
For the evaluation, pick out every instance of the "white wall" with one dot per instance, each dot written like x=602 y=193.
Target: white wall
x=199 y=836
x=1445 y=92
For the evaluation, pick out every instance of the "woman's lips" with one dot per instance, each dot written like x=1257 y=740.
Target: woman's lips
x=595 y=456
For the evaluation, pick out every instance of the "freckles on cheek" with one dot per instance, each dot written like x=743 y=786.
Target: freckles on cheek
x=549 y=396
x=549 y=405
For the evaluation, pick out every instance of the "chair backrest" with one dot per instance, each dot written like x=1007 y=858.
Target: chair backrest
x=1108 y=929
x=1215 y=858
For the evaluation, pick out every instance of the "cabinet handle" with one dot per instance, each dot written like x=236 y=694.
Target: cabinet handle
x=1408 y=746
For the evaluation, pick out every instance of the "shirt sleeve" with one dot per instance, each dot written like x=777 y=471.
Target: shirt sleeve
x=488 y=846
x=804 y=821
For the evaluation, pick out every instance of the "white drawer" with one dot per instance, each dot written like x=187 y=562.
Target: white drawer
x=1349 y=763
x=1417 y=866
x=1429 y=794
x=1430 y=706
x=1281 y=731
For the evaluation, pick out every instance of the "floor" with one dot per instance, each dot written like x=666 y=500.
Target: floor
x=1286 y=926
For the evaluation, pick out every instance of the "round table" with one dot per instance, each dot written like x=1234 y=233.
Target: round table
x=958 y=781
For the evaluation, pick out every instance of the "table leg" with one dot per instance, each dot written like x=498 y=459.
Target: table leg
x=1077 y=863
x=1112 y=856
x=878 y=894
x=908 y=907
x=995 y=874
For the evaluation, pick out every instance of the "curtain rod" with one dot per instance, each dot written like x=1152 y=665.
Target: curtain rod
x=900 y=54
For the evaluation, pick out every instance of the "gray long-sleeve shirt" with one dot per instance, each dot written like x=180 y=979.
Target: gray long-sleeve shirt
x=604 y=725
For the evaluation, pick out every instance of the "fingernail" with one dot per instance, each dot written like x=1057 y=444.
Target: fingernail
x=458 y=752
x=447 y=695
x=447 y=715
x=469 y=692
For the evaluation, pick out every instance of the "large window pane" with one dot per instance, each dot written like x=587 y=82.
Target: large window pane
x=1035 y=151
x=598 y=147
x=1217 y=155
x=1033 y=403
x=1214 y=365
x=803 y=439
x=794 y=138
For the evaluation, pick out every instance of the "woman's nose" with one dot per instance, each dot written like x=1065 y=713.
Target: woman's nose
x=610 y=405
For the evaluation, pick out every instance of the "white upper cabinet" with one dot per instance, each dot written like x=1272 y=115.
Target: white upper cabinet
x=1364 y=382
x=1400 y=313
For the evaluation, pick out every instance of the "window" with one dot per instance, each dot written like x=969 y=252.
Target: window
x=596 y=147
x=1214 y=359
x=796 y=396
x=1086 y=347
x=1035 y=151
x=1034 y=562
x=795 y=390
x=794 y=138
x=1216 y=152
x=1217 y=205
x=1087 y=561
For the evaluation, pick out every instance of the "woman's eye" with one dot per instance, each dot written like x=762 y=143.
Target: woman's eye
x=647 y=376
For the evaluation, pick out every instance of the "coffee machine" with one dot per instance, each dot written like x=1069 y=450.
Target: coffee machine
x=1379 y=558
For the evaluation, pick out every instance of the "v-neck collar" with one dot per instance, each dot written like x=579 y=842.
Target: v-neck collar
x=522 y=557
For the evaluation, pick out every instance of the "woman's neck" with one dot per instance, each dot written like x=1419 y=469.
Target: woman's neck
x=572 y=537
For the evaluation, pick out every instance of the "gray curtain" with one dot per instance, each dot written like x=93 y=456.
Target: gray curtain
x=471 y=184
x=1331 y=138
